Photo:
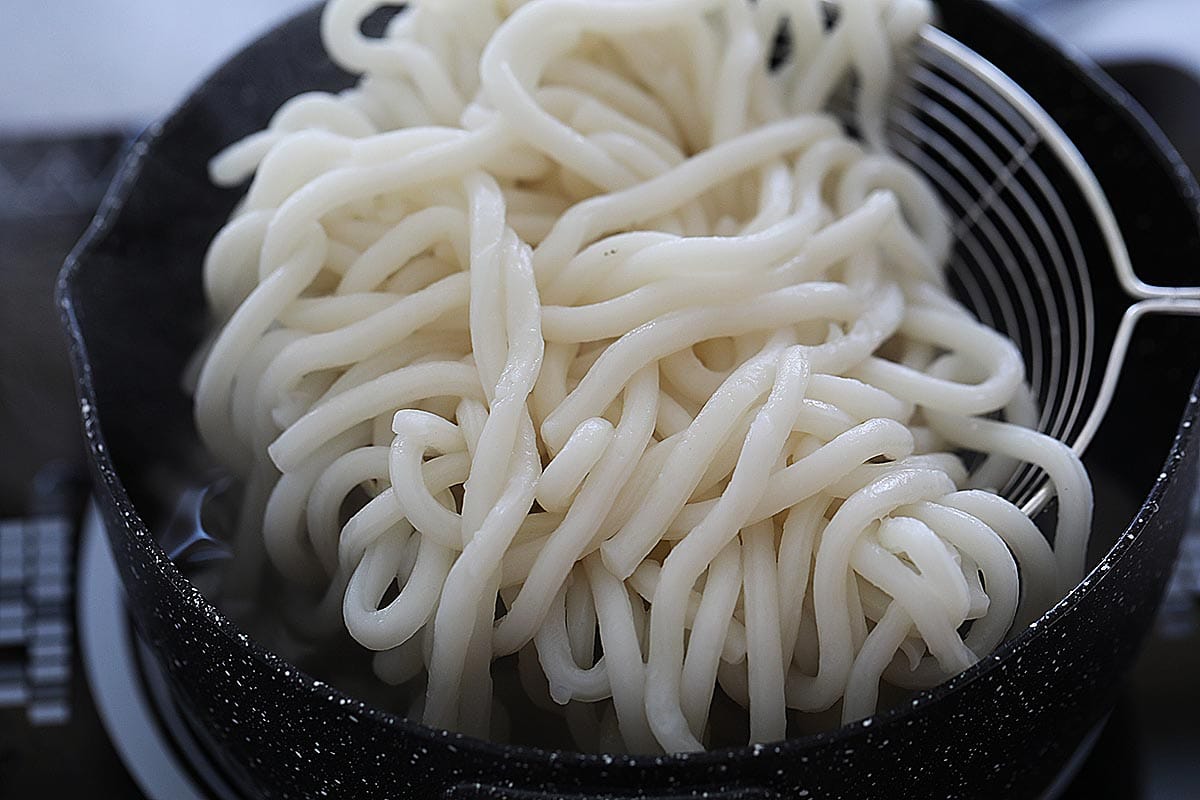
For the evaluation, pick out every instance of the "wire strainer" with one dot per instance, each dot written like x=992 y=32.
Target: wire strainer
x=1032 y=229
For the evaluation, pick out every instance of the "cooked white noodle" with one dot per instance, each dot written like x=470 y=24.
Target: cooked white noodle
x=577 y=305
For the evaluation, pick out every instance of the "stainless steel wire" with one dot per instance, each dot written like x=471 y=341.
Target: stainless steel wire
x=1023 y=203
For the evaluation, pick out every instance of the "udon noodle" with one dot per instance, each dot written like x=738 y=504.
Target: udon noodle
x=580 y=329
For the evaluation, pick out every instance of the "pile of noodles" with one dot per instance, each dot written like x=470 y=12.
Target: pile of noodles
x=579 y=329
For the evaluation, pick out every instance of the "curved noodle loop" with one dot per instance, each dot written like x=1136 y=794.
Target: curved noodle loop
x=578 y=330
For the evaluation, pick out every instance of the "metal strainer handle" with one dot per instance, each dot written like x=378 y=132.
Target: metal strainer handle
x=1023 y=197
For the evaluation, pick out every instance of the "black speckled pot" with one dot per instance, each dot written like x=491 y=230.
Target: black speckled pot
x=131 y=300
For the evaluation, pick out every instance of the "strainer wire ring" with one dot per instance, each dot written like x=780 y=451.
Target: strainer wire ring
x=1021 y=160
x=914 y=134
x=981 y=226
x=988 y=147
x=1152 y=299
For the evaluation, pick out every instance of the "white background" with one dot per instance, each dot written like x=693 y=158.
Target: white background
x=80 y=65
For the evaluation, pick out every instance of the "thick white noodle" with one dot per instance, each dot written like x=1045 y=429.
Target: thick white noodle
x=576 y=332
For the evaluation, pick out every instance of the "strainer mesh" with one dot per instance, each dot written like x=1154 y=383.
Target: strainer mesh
x=1019 y=226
